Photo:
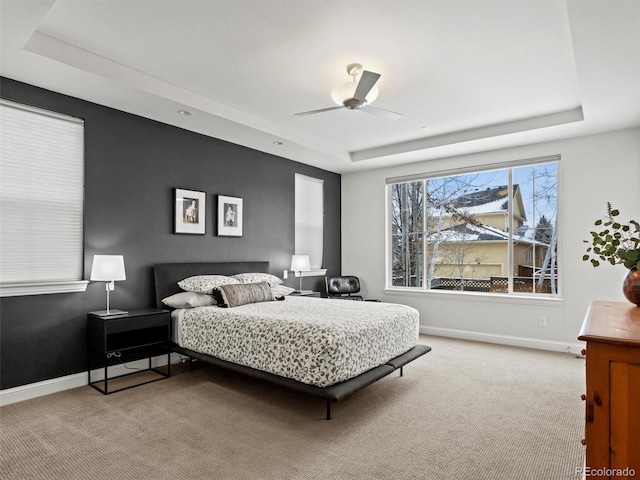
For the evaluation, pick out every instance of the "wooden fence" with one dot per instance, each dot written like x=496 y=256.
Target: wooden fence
x=493 y=284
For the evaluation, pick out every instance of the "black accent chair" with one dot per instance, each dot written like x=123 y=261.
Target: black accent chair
x=343 y=287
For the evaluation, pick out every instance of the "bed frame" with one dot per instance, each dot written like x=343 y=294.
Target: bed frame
x=166 y=276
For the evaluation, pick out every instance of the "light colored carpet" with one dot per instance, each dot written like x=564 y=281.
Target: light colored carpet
x=466 y=410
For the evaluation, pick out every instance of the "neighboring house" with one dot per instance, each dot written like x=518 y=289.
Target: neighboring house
x=472 y=243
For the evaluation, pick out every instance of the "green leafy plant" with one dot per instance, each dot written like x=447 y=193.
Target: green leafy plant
x=617 y=243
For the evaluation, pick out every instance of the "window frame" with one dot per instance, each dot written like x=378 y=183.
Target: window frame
x=303 y=186
x=515 y=297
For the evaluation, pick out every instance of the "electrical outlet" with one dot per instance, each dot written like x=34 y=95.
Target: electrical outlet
x=285 y=274
x=542 y=321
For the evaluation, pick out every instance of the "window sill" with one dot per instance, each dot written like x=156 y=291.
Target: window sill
x=541 y=299
x=42 y=288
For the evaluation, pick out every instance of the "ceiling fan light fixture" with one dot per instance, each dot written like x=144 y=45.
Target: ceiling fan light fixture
x=357 y=95
x=346 y=90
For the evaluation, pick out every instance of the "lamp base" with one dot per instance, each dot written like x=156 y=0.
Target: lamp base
x=109 y=313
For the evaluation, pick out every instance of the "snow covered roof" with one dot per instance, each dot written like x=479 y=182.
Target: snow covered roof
x=490 y=200
x=485 y=201
x=466 y=232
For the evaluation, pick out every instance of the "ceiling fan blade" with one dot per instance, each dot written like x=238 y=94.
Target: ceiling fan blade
x=382 y=113
x=366 y=83
x=311 y=112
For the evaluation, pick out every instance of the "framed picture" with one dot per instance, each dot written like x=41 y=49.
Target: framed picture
x=229 y=216
x=189 y=211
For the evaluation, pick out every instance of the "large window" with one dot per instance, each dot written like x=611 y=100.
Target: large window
x=481 y=231
x=41 y=201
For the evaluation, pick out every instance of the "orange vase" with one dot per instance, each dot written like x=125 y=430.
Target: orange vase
x=631 y=286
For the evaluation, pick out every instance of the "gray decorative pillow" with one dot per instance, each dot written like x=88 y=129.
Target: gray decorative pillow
x=257 y=277
x=205 y=283
x=236 y=295
x=189 y=300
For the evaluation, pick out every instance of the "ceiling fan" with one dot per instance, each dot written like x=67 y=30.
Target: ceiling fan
x=357 y=96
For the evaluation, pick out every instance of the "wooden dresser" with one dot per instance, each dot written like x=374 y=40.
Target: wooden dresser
x=612 y=419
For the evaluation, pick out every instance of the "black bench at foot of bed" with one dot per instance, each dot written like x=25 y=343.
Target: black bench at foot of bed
x=332 y=393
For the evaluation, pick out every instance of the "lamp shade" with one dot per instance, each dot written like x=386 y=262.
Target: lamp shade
x=107 y=268
x=300 y=263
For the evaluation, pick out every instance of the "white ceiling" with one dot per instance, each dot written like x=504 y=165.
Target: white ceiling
x=479 y=74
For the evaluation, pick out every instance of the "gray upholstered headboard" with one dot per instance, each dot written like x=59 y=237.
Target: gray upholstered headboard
x=167 y=275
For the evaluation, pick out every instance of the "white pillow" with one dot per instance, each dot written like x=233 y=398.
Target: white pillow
x=189 y=300
x=282 y=290
x=272 y=280
x=205 y=283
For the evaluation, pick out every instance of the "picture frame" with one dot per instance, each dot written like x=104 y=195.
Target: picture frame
x=189 y=211
x=230 y=216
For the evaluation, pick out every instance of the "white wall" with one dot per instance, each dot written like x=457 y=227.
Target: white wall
x=593 y=170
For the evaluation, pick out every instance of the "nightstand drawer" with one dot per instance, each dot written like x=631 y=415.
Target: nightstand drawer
x=111 y=333
x=138 y=323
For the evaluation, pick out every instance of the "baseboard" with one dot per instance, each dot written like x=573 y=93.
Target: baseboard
x=38 y=389
x=33 y=390
x=550 y=345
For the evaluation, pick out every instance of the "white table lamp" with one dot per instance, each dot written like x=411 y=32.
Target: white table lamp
x=109 y=269
x=300 y=263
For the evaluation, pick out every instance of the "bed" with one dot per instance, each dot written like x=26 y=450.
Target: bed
x=325 y=348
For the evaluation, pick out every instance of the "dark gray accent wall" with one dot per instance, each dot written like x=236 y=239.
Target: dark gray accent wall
x=132 y=165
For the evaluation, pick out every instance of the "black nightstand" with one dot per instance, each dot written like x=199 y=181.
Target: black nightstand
x=307 y=294
x=115 y=339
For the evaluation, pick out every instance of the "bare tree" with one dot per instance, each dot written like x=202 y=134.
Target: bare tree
x=443 y=203
x=407 y=230
x=456 y=251
x=545 y=200
x=422 y=213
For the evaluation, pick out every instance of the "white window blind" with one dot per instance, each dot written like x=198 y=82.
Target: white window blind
x=309 y=219
x=41 y=201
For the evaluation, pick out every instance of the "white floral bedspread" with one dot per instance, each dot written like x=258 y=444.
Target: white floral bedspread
x=312 y=340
